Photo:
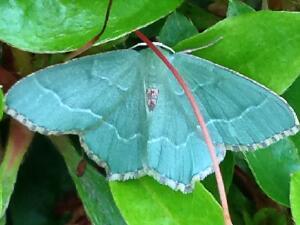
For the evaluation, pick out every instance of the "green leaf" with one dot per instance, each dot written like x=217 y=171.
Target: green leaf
x=227 y=166
x=59 y=26
x=262 y=45
x=272 y=168
x=237 y=8
x=144 y=201
x=240 y=206
x=18 y=142
x=269 y=216
x=176 y=28
x=43 y=185
x=91 y=187
x=292 y=95
x=201 y=18
x=1 y=103
x=3 y=220
x=295 y=197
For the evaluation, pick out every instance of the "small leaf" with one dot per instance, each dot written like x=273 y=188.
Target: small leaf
x=144 y=201
x=237 y=8
x=176 y=28
x=272 y=168
x=295 y=197
x=254 y=44
x=60 y=26
x=18 y=142
x=91 y=187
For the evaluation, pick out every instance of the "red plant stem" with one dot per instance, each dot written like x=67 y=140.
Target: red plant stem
x=201 y=122
x=91 y=42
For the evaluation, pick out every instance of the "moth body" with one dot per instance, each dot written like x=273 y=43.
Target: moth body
x=152 y=97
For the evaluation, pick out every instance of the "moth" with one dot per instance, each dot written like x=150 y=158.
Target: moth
x=133 y=118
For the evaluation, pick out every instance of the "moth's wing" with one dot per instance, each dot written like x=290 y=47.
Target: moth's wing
x=98 y=97
x=176 y=151
x=240 y=114
x=246 y=114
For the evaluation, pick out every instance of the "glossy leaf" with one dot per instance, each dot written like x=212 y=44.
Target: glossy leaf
x=18 y=142
x=272 y=168
x=256 y=45
x=176 y=28
x=91 y=187
x=237 y=8
x=59 y=26
x=295 y=197
x=146 y=202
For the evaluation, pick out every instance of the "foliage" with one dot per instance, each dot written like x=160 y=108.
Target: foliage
x=262 y=186
x=1 y=104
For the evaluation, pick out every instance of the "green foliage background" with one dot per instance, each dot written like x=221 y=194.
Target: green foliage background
x=38 y=181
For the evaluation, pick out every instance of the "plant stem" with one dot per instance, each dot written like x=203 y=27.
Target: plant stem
x=201 y=122
x=91 y=42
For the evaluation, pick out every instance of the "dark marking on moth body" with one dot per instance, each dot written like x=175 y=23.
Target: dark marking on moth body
x=152 y=97
x=81 y=168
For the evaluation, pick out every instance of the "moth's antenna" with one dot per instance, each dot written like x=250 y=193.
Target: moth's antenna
x=91 y=42
x=156 y=44
x=201 y=122
x=188 y=51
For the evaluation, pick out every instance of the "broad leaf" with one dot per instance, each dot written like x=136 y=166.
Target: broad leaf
x=146 y=202
x=91 y=187
x=59 y=26
x=262 y=45
x=237 y=8
x=272 y=168
x=176 y=28
x=295 y=197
